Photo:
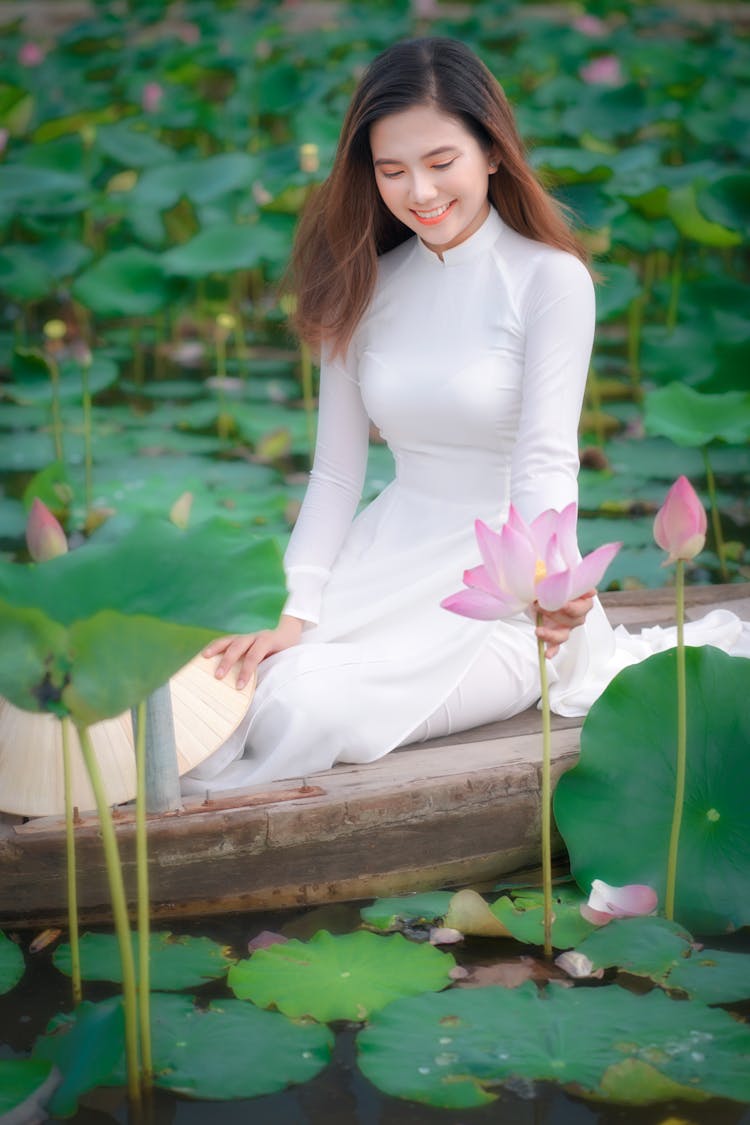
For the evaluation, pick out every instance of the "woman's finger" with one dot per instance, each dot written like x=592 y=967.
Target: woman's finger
x=251 y=661
x=234 y=653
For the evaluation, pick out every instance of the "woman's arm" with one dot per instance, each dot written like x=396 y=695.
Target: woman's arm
x=559 y=313
x=331 y=499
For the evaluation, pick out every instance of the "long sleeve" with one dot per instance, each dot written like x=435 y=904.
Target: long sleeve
x=559 y=315
x=333 y=492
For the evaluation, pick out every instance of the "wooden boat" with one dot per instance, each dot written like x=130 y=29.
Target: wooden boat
x=459 y=809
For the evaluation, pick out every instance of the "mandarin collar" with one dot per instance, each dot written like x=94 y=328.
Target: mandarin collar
x=476 y=244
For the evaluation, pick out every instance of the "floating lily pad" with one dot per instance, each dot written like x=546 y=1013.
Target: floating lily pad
x=25 y=1085
x=232 y=1049
x=175 y=962
x=522 y=914
x=715 y=976
x=648 y=947
x=449 y=1050
x=610 y=796
x=409 y=910
x=334 y=978
x=12 y=965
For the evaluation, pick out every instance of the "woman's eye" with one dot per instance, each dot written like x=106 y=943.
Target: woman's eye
x=442 y=167
x=392 y=175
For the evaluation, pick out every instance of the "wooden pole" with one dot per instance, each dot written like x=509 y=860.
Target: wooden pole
x=162 y=777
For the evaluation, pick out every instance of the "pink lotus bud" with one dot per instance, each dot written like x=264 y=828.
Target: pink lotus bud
x=30 y=54
x=45 y=537
x=151 y=96
x=680 y=524
x=604 y=71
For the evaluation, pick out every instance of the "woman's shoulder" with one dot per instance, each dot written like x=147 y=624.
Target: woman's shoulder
x=540 y=270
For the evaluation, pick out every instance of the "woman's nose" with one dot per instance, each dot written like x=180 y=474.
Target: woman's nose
x=423 y=188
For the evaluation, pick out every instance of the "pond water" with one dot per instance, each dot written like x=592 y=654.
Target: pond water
x=340 y=1094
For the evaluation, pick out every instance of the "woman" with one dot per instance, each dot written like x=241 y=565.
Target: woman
x=452 y=306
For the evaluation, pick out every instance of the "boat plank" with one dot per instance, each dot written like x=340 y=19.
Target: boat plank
x=449 y=811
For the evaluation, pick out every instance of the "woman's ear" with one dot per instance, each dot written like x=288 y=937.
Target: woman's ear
x=493 y=160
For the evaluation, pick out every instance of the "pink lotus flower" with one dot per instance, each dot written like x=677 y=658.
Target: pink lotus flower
x=603 y=71
x=606 y=903
x=151 y=96
x=30 y=54
x=680 y=524
x=45 y=537
x=528 y=563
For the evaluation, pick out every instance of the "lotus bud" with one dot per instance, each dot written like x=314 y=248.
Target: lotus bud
x=88 y=134
x=30 y=54
x=288 y=304
x=179 y=513
x=225 y=322
x=45 y=537
x=309 y=159
x=680 y=524
x=151 y=97
x=603 y=71
x=122 y=182
x=55 y=330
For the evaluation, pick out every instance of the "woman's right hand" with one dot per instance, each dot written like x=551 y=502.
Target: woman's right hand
x=248 y=649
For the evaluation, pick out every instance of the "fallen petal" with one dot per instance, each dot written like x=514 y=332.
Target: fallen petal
x=444 y=935
x=576 y=965
x=622 y=902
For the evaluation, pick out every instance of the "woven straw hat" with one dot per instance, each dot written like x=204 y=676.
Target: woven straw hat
x=206 y=712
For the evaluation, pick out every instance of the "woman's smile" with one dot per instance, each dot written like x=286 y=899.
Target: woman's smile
x=435 y=215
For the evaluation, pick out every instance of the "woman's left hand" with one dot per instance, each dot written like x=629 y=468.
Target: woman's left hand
x=556 y=626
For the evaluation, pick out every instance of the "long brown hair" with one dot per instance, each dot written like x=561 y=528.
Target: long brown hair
x=346 y=225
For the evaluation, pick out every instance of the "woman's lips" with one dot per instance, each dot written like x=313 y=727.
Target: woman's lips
x=430 y=221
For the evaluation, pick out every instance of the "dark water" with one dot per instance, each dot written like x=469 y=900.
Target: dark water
x=339 y=1095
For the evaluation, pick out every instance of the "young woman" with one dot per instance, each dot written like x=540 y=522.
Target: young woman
x=452 y=307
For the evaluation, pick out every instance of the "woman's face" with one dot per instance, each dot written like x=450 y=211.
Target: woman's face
x=432 y=174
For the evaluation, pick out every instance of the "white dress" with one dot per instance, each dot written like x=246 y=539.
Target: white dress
x=473 y=367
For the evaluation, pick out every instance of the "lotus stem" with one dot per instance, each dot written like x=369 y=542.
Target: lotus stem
x=306 y=368
x=546 y=798
x=141 y=844
x=57 y=427
x=676 y=279
x=87 y=455
x=679 y=787
x=715 y=516
x=635 y=318
x=70 y=853
x=120 y=912
x=135 y=342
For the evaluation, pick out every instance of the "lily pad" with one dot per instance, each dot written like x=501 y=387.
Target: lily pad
x=715 y=976
x=25 y=1085
x=12 y=965
x=450 y=1050
x=648 y=947
x=522 y=915
x=609 y=796
x=175 y=962
x=409 y=910
x=129 y=282
x=339 y=978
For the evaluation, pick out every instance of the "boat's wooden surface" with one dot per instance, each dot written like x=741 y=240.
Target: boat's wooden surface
x=458 y=809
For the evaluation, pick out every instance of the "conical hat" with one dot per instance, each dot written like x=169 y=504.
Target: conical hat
x=206 y=712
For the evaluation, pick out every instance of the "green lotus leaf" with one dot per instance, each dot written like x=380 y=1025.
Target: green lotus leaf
x=132 y=147
x=339 y=978
x=25 y=1085
x=94 y=631
x=86 y=1047
x=452 y=1049
x=715 y=976
x=41 y=191
x=224 y=248
x=175 y=962
x=129 y=282
x=726 y=201
x=522 y=913
x=12 y=965
x=684 y=213
x=32 y=380
x=22 y=276
x=690 y=417
x=609 y=796
x=572 y=164
x=648 y=947
x=408 y=910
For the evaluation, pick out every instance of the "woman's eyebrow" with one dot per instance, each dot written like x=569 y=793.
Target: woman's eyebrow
x=426 y=156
